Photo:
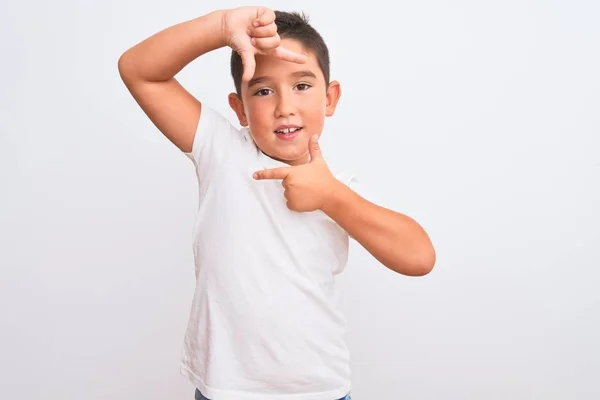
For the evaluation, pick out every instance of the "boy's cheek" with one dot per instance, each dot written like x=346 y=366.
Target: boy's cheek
x=258 y=115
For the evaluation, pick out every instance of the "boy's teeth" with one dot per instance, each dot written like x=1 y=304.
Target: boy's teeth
x=287 y=130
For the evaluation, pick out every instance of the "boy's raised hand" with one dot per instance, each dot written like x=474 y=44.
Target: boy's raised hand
x=252 y=30
x=307 y=187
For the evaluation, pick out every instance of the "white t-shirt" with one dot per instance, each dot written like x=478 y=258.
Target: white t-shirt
x=264 y=323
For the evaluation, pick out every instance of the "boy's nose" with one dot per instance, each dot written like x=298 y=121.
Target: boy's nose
x=284 y=107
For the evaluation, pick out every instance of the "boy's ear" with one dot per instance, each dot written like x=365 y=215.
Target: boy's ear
x=237 y=105
x=334 y=91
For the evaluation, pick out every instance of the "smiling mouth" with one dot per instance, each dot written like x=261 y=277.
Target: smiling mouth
x=287 y=131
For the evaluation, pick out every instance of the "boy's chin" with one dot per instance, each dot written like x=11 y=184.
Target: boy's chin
x=291 y=157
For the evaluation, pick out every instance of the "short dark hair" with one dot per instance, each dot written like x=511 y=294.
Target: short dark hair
x=290 y=25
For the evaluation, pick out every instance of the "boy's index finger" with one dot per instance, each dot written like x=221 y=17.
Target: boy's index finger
x=288 y=55
x=274 y=173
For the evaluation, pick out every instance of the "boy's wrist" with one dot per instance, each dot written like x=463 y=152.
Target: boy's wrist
x=334 y=197
x=226 y=31
x=216 y=23
x=222 y=33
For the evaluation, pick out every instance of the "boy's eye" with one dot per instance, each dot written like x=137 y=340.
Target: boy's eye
x=303 y=86
x=262 y=92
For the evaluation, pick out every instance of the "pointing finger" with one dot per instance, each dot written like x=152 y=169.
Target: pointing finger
x=288 y=55
x=275 y=173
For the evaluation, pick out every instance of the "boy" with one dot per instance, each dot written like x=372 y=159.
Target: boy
x=273 y=221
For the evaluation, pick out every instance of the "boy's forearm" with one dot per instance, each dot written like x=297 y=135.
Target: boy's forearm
x=394 y=239
x=161 y=56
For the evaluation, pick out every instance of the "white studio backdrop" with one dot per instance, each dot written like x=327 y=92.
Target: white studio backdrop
x=479 y=119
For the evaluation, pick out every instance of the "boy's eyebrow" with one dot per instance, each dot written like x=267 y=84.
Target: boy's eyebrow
x=301 y=74
x=297 y=74
x=256 y=80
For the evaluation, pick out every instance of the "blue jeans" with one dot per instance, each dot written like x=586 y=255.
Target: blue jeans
x=199 y=396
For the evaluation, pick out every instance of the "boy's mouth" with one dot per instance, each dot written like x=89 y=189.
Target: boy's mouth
x=287 y=129
x=288 y=132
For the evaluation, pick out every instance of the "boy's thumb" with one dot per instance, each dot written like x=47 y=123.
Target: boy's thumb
x=249 y=65
x=314 y=148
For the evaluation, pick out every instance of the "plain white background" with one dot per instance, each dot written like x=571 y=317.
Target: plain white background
x=479 y=119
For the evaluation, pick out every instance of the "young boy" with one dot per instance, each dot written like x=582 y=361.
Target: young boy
x=273 y=221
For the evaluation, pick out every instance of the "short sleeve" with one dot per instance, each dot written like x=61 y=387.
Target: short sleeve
x=213 y=139
x=358 y=187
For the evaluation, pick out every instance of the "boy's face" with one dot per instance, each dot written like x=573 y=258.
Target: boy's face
x=285 y=95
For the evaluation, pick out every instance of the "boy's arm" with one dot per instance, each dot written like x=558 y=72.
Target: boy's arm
x=394 y=239
x=148 y=71
x=148 y=68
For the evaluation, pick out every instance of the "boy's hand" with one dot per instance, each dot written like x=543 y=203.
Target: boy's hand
x=308 y=187
x=252 y=30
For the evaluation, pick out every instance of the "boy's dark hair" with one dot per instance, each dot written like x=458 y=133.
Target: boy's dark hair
x=290 y=25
